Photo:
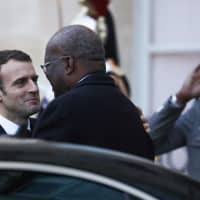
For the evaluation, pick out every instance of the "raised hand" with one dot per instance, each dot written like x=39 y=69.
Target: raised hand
x=190 y=88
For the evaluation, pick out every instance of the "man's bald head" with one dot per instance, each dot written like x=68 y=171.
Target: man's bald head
x=77 y=41
x=73 y=52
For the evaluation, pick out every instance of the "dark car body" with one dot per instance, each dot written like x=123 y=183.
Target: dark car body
x=35 y=169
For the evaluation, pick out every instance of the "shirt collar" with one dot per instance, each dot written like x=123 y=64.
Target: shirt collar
x=90 y=74
x=9 y=126
x=83 y=78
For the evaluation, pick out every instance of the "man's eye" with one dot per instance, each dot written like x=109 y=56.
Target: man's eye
x=21 y=82
x=35 y=79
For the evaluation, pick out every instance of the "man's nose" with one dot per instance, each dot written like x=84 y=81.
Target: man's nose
x=33 y=87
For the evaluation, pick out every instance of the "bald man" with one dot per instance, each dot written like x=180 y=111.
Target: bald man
x=88 y=109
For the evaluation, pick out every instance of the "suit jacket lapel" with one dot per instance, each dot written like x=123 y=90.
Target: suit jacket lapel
x=2 y=131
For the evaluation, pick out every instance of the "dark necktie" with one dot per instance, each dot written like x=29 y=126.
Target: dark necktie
x=23 y=132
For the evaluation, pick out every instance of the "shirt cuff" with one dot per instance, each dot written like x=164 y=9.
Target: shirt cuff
x=173 y=101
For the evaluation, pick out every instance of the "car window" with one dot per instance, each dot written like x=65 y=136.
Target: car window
x=16 y=185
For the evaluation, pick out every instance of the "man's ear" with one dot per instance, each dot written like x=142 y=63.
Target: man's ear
x=70 y=65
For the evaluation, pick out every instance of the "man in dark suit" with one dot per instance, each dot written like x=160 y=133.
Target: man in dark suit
x=19 y=93
x=89 y=109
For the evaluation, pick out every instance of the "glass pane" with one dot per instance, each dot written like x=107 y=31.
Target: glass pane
x=29 y=185
x=175 y=21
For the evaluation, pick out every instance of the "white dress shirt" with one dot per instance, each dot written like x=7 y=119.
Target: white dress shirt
x=9 y=126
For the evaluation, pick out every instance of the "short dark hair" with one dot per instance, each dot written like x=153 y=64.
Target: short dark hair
x=6 y=55
x=79 y=41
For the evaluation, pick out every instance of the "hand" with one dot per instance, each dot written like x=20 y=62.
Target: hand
x=144 y=120
x=190 y=88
